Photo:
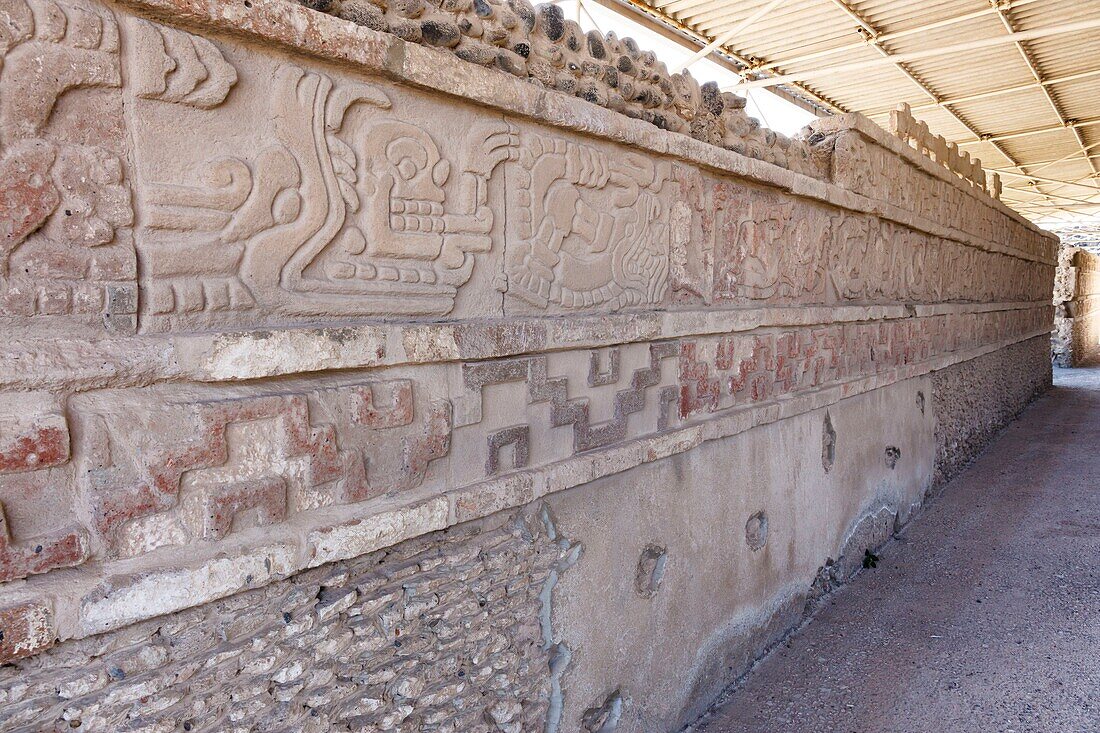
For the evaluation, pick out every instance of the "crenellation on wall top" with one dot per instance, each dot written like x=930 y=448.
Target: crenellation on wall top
x=911 y=156
x=915 y=133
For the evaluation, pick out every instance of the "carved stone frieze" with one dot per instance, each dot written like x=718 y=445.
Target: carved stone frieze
x=590 y=227
x=278 y=289
x=169 y=470
x=64 y=195
x=347 y=208
x=152 y=468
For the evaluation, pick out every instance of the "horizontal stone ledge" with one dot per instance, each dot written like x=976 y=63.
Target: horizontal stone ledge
x=63 y=363
x=92 y=599
x=290 y=25
x=881 y=137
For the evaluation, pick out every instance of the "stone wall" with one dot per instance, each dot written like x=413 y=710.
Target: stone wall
x=318 y=334
x=339 y=647
x=973 y=400
x=1075 y=340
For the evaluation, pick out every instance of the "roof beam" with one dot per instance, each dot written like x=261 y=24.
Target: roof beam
x=880 y=38
x=1046 y=164
x=1067 y=184
x=1071 y=158
x=726 y=37
x=1053 y=30
x=1032 y=177
x=1034 y=131
x=689 y=38
x=1034 y=69
x=1001 y=91
x=1086 y=202
x=1063 y=207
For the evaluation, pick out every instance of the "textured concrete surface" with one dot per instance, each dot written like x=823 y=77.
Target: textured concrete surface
x=983 y=616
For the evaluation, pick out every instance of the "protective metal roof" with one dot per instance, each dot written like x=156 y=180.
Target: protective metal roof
x=1015 y=83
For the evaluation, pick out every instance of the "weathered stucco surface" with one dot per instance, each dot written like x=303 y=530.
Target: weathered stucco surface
x=284 y=288
x=1075 y=340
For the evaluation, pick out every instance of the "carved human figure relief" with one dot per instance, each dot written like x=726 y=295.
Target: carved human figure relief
x=591 y=227
x=691 y=248
x=852 y=164
x=768 y=247
x=849 y=260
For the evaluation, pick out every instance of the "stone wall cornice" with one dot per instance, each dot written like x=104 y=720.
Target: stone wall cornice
x=35 y=363
x=326 y=37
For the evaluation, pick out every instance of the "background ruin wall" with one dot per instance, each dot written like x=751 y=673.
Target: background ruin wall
x=1076 y=337
x=421 y=369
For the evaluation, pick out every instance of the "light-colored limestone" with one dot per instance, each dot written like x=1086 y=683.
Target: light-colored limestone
x=1075 y=340
x=280 y=290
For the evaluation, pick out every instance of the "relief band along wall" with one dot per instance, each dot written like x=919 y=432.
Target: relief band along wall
x=350 y=383
x=1076 y=337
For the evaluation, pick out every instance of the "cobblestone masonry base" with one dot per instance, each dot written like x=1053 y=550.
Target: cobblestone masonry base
x=439 y=633
x=975 y=399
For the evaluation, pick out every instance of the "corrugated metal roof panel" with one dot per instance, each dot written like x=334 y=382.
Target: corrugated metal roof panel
x=991 y=92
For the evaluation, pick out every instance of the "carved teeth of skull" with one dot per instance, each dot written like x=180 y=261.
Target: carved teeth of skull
x=413 y=223
x=416 y=215
x=388 y=273
x=416 y=206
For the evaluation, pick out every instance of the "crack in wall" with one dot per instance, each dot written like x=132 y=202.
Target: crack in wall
x=560 y=654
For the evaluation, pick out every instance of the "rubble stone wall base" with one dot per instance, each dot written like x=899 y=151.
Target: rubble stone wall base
x=975 y=399
x=1075 y=340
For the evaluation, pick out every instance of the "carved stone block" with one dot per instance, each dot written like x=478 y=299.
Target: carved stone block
x=25 y=629
x=39 y=530
x=589 y=227
x=176 y=470
x=65 y=207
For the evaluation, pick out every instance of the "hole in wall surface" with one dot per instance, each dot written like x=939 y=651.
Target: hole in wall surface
x=828 y=443
x=605 y=717
x=651 y=570
x=892 y=455
x=756 y=531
